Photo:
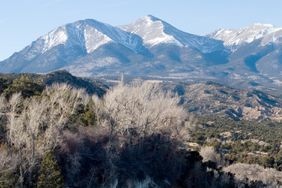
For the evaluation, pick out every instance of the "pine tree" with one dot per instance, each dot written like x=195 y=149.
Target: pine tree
x=50 y=173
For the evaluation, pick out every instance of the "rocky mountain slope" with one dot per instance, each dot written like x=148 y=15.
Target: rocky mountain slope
x=256 y=53
x=215 y=99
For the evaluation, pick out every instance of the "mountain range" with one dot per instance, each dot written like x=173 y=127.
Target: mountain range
x=154 y=49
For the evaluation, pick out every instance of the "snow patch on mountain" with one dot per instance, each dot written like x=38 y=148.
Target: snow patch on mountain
x=54 y=38
x=94 y=39
x=97 y=34
x=275 y=37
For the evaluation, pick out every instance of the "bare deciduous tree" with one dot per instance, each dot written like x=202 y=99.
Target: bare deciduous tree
x=43 y=116
x=209 y=154
x=145 y=108
x=254 y=172
x=37 y=127
x=3 y=104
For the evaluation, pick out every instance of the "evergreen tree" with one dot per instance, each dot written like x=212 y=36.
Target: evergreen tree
x=50 y=173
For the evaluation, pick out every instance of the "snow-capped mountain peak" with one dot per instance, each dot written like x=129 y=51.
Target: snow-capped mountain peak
x=151 y=29
x=235 y=37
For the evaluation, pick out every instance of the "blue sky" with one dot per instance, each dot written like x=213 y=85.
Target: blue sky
x=22 y=21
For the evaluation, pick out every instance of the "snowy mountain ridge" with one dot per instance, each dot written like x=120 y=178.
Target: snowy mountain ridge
x=234 y=37
x=91 y=34
x=155 y=31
